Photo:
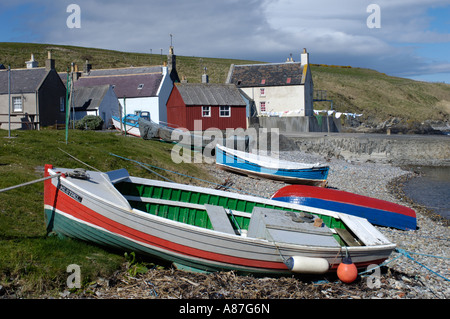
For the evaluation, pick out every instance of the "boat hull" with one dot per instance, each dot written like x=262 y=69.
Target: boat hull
x=86 y=211
x=376 y=211
x=314 y=175
x=131 y=129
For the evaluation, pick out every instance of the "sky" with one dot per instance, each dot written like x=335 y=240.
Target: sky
x=405 y=38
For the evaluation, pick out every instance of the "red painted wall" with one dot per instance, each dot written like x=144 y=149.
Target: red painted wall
x=176 y=109
x=181 y=115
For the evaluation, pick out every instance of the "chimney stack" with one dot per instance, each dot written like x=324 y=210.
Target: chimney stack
x=87 y=67
x=49 y=63
x=205 y=77
x=304 y=57
x=32 y=63
x=172 y=65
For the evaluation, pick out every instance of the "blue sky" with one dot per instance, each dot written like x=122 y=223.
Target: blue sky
x=413 y=39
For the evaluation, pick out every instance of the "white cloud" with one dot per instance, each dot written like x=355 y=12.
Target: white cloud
x=334 y=32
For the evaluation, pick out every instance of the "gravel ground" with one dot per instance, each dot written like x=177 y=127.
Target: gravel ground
x=419 y=271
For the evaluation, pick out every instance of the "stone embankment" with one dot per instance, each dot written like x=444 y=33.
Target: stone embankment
x=426 y=150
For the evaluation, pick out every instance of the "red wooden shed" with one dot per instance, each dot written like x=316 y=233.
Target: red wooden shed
x=216 y=105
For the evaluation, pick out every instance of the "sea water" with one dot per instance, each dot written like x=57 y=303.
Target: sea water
x=431 y=189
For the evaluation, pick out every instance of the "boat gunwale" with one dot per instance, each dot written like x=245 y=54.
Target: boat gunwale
x=266 y=161
x=181 y=225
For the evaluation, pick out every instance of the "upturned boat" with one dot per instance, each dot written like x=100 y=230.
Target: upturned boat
x=378 y=212
x=203 y=229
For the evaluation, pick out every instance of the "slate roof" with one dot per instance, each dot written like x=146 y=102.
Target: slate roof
x=126 y=85
x=125 y=71
x=210 y=94
x=270 y=74
x=89 y=98
x=22 y=80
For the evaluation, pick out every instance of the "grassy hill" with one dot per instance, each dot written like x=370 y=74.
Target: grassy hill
x=376 y=95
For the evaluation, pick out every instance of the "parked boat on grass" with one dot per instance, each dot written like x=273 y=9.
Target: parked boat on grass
x=376 y=211
x=130 y=123
x=203 y=229
x=271 y=168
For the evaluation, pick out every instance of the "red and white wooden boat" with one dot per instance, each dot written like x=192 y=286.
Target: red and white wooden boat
x=204 y=229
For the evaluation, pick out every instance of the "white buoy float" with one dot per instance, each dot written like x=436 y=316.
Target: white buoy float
x=307 y=265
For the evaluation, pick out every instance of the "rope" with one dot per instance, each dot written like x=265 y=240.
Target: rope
x=91 y=167
x=29 y=183
x=184 y=175
x=407 y=254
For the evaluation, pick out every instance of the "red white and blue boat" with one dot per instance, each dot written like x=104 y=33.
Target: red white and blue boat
x=376 y=211
x=203 y=229
x=248 y=163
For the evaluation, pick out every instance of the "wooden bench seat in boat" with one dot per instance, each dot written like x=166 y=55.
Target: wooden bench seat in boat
x=219 y=219
x=286 y=227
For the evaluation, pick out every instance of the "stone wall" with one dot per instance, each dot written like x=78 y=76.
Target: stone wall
x=433 y=150
x=295 y=124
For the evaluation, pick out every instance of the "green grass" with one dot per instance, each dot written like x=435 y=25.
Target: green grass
x=29 y=257
x=379 y=96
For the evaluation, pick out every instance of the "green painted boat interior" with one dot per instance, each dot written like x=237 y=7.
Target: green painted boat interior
x=199 y=217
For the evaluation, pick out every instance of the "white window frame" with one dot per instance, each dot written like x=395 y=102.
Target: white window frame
x=206 y=111
x=262 y=92
x=14 y=104
x=225 y=111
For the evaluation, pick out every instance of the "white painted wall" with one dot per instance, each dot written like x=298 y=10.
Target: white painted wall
x=286 y=100
x=155 y=105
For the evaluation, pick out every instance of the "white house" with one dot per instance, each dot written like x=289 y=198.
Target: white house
x=280 y=89
x=137 y=88
x=100 y=100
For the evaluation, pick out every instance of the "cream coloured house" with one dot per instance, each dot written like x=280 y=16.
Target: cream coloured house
x=277 y=89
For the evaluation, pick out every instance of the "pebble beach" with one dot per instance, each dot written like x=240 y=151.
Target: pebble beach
x=418 y=269
x=428 y=274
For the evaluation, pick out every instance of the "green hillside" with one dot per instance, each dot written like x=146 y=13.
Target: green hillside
x=376 y=95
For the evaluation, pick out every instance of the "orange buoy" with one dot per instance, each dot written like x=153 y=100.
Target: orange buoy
x=347 y=271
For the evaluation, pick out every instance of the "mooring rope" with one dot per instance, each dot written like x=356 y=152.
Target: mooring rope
x=184 y=175
x=407 y=255
x=29 y=183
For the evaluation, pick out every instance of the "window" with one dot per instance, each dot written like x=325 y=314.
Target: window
x=225 y=111
x=262 y=106
x=17 y=104
x=206 y=111
x=62 y=102
x=288 y=80
x=262 y=92
x=263 y=81
x=140 y=86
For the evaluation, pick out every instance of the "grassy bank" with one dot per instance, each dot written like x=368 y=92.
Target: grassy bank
x=28 y=257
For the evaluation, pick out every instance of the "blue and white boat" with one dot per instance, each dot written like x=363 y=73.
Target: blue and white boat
x=130 y=123
x=271 y=168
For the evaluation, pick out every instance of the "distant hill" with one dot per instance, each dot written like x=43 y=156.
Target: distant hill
x=376 y=95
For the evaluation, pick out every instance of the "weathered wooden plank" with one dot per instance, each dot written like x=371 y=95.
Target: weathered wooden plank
x=219 y=219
